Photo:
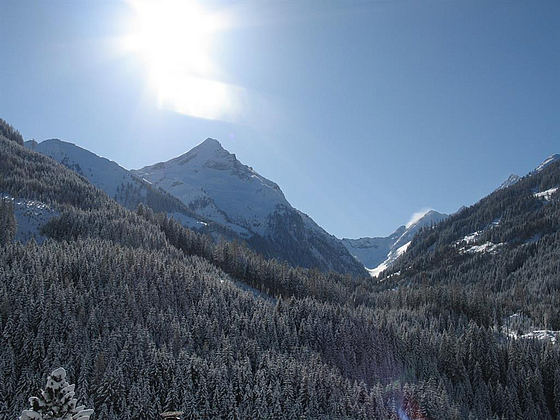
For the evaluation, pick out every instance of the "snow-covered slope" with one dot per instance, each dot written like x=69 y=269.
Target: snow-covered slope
x=101 y=172
x=211 y=181
x=373 y=251
x=30 y=216
x=377 y=254
x=119 y=183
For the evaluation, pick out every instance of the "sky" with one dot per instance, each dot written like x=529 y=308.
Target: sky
x=364 y=112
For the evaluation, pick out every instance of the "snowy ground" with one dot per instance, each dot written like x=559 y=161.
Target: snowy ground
x=468 y=245
x=391 y=258
x=488 y=247
x=520 y=327
x=31 y=216
x=546 y=195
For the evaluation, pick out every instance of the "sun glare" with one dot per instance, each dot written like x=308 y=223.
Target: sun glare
x=173 y=39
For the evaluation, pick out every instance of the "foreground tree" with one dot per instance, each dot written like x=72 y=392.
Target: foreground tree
x=56 y=402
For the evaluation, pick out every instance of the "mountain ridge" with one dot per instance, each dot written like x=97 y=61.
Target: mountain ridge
x=514 y=179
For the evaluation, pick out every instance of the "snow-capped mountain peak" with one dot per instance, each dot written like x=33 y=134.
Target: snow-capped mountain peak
x=212 y=182
x=210 y=150
x=209 y=144
x=101 y=172
x=548 y=161
x=428 y=218
x=512 y=179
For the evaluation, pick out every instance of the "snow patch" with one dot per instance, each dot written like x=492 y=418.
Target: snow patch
x=546 y=195
x=31 y=216
x=471 y=238
x=522 y=327
x=468 y=241
x=391 y=258
x=549 y=335
x=487 y=247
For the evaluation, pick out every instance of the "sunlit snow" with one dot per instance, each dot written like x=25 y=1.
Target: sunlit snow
x=546 y=195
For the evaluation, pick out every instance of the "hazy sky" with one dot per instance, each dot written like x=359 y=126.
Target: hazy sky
x=364 y=112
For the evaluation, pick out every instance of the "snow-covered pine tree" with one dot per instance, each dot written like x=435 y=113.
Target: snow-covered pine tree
x=56 y=402
x=8 y=223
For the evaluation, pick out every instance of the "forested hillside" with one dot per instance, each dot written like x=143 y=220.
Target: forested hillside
x=507 y=245
x=147 y=315
x=9 y=132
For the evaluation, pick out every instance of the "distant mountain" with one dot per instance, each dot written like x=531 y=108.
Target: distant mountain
x=378 y=254
x=213 y=183
x=120 y=184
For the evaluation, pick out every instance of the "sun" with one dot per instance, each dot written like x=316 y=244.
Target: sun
x=173 y=39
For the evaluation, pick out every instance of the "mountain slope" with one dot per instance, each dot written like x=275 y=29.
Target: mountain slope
x=508 y=242
x=505 y=220
x=119 y=183
x=379 y=253
x=212 y=182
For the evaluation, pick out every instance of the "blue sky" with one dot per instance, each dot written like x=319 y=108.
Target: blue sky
x=364 y=112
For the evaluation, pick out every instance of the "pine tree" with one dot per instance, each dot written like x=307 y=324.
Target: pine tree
x=8 y=224
x=56 y=402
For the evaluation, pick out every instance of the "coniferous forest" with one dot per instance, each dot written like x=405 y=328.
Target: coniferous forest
x=148 y=316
